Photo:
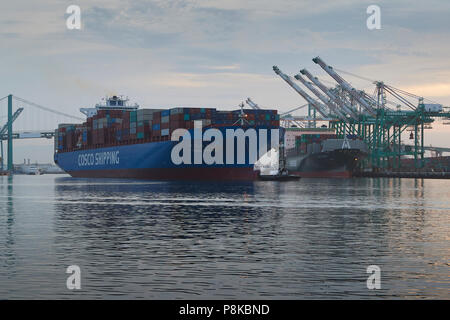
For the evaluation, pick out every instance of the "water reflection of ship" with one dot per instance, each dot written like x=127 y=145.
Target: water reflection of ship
x=178 y=208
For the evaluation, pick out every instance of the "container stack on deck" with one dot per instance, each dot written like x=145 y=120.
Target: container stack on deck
x=117 y=127
x=302 y=142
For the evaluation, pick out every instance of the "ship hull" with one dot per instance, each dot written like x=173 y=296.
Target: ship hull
x=332 y=164
x=153 y=161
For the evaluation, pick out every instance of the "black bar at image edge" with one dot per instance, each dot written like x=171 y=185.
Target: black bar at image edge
x=224 y=309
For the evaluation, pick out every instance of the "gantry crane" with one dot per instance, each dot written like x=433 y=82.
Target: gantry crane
x=287 y=118
x=252 y=104
x=5 y=129
x=334 y=98
x=320 y=108
x=354 y=112
x=358 y=95
x=326 y=101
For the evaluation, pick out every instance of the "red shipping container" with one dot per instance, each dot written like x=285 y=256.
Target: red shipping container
x=115 y=113
x=101 y=113
x=176 y=117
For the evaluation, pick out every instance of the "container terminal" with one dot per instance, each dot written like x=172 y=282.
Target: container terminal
x=378 y=120
x=347 y=132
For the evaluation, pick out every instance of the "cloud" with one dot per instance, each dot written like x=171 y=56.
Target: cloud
x=230 y=67
x=215 y=51
x=430 y=89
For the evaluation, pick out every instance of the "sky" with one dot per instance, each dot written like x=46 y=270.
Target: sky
x=215 y=53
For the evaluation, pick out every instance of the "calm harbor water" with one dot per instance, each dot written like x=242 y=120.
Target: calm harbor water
x=312 y=238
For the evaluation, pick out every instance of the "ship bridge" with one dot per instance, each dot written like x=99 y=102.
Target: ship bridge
x=110 y=103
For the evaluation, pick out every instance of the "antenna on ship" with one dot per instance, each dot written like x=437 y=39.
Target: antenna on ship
x=242 y=116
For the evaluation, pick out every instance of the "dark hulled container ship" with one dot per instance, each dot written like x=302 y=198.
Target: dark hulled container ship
x=325 y=156
x=121 y=141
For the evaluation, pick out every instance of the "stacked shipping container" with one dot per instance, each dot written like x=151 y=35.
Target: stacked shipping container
x=113 y=127
x=302 y=142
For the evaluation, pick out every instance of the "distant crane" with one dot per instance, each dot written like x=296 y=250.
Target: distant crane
x=346 y=109
x=5 y=129
x=286 y=116
x=252 y=104
x=315 y=104
x=326 y=101
x=358 y=95
x=9 y=135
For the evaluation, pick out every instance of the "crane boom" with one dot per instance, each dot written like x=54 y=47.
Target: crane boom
x=345 y=85
x=252 y=104
x=14 y=117
x=330 y=94
x=316 y=105
x=321 y=97
x=295 y=109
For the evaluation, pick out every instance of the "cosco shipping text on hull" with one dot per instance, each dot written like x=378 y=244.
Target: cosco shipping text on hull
x=98 y=158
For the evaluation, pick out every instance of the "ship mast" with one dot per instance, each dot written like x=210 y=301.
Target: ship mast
x=242 y=115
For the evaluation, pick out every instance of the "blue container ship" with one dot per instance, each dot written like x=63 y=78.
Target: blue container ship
x=121 y=141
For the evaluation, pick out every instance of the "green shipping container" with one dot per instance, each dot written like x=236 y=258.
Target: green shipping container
x=140 y=135
x=186 y=117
